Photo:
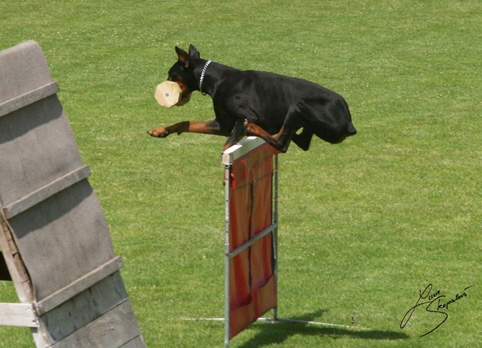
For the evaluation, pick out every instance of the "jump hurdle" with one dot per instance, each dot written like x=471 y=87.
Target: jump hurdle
x=251 y=234
x=54 y=239
x=251 y=238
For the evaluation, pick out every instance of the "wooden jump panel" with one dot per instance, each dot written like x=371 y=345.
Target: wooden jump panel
x=54 y=238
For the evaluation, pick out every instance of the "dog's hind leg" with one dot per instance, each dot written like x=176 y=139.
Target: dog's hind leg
x=293 y=122
x=330 y=122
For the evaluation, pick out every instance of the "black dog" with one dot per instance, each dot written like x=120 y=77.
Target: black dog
x=267 y=105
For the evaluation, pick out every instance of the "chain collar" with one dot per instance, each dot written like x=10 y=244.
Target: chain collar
x=202 y=76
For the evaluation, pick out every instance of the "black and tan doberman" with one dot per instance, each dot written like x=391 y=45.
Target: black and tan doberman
x=267 y=105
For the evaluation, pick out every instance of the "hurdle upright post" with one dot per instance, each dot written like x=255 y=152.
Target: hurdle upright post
x=227 y=167
x=275 y=231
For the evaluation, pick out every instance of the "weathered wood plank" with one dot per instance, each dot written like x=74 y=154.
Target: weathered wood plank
x=112 y=330
x=28 y=98
x=78 y=286
x=46 y=191
x=63 y=238
x=85 y=307
x=37 y=147
x=18 y=314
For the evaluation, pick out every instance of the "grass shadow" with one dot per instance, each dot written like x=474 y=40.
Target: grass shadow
x=280 y=331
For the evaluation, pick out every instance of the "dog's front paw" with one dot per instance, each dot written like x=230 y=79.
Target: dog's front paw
x=160 y=132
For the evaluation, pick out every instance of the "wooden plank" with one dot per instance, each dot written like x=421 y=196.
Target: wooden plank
x=18 y=314
x=46 y=191
x=37 y=147
x=76 y=287
x=63 y=238
x=28 y=98
x=114 y=329
x=87 y=306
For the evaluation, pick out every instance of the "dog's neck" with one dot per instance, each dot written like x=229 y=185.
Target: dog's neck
x=203 y=74
x=207 y=72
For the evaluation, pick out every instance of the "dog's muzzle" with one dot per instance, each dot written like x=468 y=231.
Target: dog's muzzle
x=169 y=94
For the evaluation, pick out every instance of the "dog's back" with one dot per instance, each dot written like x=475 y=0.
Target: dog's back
x=269 y=96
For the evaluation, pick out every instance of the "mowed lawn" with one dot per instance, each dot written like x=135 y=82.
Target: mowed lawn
x=366 y=226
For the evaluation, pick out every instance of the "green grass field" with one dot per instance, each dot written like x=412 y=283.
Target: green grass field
x=364 y=226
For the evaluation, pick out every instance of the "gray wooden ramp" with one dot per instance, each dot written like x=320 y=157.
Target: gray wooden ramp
x=54 y=237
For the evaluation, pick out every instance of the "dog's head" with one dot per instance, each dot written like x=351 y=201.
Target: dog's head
x=181 y=81
x=182 y=72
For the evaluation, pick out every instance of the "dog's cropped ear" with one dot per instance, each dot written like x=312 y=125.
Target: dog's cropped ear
x=183 y=57
x=193 y=52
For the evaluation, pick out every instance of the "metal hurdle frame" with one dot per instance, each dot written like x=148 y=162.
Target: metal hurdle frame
x=228 y=158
